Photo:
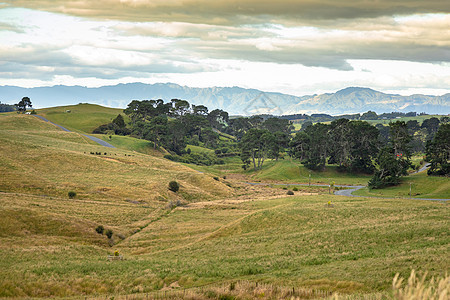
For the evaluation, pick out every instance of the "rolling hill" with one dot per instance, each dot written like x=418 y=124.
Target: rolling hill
x=235 y=100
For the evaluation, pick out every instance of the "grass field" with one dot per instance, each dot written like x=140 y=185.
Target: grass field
x=422 y=186
x=82 y=117
x=222 y=233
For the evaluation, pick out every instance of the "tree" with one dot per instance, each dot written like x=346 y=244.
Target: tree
x=340 y=139
x=22 y=105
x=200 y=110
x=119 y=121
x=218 y=119
x=364 y=146
x=393 y=160
x=318 y=146
x=438 y=152
x=155 y=129
x=432 y=126
x=277 y=124
x=389 y=169
x=370 y=115
x=256 y=144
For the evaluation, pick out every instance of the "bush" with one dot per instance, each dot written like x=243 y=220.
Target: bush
x=290 y=192
x=174 y=186
x=295 y=189
x=216 y=178
x=71 y=194
x=109 y=233
x=100 y=229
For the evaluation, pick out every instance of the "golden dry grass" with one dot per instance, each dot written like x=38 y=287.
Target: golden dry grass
x=250 y=235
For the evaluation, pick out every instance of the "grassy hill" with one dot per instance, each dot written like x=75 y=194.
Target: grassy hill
x=82 y=117
x=218 y=238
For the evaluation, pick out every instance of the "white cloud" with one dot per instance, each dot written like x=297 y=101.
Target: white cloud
x=401 y=54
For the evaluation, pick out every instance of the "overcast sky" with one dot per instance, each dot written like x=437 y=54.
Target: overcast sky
x=290 y=46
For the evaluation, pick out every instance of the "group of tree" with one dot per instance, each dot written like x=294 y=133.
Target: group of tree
x=20 y=107
x=7 y=107
x=349 y=144
x=352 y=145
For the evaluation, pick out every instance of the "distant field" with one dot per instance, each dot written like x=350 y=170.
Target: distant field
x=82 y=117
x=422 y=186
x=292 y=171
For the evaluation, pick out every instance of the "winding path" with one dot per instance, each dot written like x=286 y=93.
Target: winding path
x=93 y=138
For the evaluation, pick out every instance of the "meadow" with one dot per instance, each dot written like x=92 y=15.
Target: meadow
x=212 y=235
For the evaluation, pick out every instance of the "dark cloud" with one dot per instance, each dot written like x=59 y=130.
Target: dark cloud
x=233 y=11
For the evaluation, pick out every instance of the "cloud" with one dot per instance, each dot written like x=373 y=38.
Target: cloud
x=233 y=11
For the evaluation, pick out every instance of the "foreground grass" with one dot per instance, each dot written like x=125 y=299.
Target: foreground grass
x=357 y=246
x=422 y=186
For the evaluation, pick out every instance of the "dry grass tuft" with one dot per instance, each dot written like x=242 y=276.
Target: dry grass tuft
x=419 y=289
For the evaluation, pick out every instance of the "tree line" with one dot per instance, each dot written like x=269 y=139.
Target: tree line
x=352 y=145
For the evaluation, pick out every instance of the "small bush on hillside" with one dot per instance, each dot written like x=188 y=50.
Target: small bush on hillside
x=71 y=194
x=290 y=192
x=100 y=229
x=295 y=189
x=216 y=178
x=174 y=186
x=109 y=233
x=33 y=112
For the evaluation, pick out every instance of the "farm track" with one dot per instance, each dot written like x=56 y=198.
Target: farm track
x=93 y=138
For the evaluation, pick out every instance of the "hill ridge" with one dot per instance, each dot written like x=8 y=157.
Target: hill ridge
x=235 y=100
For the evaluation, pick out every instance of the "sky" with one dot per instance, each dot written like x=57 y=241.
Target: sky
x=297 y=47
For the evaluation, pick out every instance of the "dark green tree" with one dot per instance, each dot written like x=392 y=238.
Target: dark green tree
x=218 y=119
x=277 y=124
x=317 y=150
x=119 y=121
x=393 y=161
x=370 y=115
x=438 y=152
x=256 y=145
x=23 y=104
x=155 y=130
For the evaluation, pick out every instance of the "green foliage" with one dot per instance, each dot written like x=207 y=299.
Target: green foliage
x=100 y=229
x=174 y=186
x=290 y=192
x=196 y=158
x=256 y=145
x=438 y=152
x=295 y=189
x=72 y=194
x=23 y=104
x=109 y=233
x=7 y=107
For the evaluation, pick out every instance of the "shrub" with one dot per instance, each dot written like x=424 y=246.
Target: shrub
x=109 y=233
x=295 y=189
x=116 y=253
x=100 y=229
x=174 y=186
x=71 y=194
x=290 y=192
x=33 y=112
x=216 y=178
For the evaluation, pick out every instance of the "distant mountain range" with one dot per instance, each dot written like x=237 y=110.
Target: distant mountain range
x=235 y=100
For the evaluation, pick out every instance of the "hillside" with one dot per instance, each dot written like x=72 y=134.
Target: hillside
x=222 y=233
x=235 y=100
